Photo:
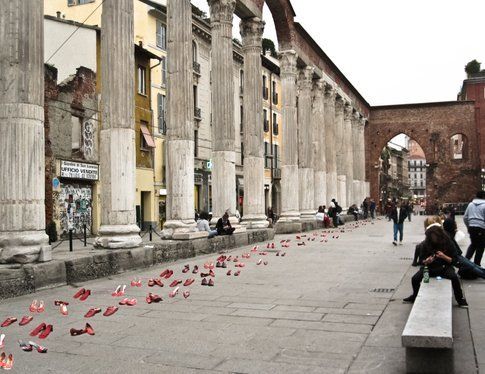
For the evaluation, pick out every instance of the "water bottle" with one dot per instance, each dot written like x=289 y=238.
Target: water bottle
x=426 y=275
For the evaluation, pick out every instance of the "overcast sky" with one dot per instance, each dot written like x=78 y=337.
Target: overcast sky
x=394 y=51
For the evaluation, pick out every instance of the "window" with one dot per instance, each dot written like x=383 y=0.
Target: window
x=274 y=93
x=242 y=153
x=163 y=68
x=241 y=108
x=196 y=143
x=265 y=121
x=458 y=147
x=275 y=124
x=76 y=134
x=266 y=154
x=162 y=126
x=265 y=88
x=142 y=84
x=143 y=141
x=194 y=51
x=161 y=35
x=275 y=156
x=241 y=82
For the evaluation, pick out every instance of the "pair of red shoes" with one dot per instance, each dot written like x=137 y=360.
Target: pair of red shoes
x=209 y=274
x=151 y=298
x=29 y=347
x=167 y=273
x=207 y=283
x=235 y=274
x=37 y=307
x=120 y=291
x=82 y=294
x=136 y=282
x=6 y=363
x=186 y=269
x=155 y=281
x=240 y=265
x=209 y=265
x=301 y=243
x=270 y=245
x=245 y=255
x=127 y=301
x=87 y=330
x=42 y=331
x=62 y=306
x=255 y=248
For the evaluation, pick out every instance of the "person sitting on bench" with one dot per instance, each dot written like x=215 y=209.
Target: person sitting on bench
x=436 y=253
x=223 y=225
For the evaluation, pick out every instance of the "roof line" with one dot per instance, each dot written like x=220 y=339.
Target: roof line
x=428 y=104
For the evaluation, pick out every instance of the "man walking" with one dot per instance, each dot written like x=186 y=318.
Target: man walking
x=474 y=219
x=398 y=216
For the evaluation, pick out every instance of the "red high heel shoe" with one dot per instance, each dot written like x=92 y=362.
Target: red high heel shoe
x=163 y=273
x=186 y=269
x=8 y=321
x=176 y=282
x=63 y=309
x=26 y=347
x=24 y=321
x=8 y=363
x=89 y=330
x=2 y=339
x=41 y=307
x=186 y=294
x=158 y=282
x=33 y=307
x=79 y=293
x=204 y=282
x=77 y=332
x=38 y=329
x=188 y=282
x=174 y=292
x=117 y=291
x=259 y=262
x=3 y=358
x=211 y=273
x=44 y=334
x=85 y=295
x=92 y=312
x=228 y=272
x=38 y=347
x=210 y=283
x=60 y=302
x=195 y=270
x=169 y=274
x=236 y=274
x=110 y=311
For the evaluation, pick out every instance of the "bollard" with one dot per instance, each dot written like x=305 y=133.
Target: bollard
x=84 y=228
x=150 y=231
x=70 y=240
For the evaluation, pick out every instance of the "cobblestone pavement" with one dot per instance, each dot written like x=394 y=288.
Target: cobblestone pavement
x=326 y=307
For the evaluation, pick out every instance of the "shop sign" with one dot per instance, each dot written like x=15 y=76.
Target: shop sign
x=79 y=170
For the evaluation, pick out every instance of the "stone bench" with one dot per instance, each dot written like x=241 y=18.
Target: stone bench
x=427 y=336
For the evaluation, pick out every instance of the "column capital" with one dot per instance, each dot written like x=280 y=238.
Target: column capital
x=330 y=93
x=348 y=111
x=222 y=11
x=319 y=87
x=288 y=60
x=251 y=30
x=362 y=121
x=339 y=103
x=305 y=79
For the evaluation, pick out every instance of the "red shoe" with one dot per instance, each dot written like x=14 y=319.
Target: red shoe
x=148 y=298
x=259 y=262
x=241 y=265
x=255 y=248
x=85 y=295
x=38 y=329
x=210 y=283
x=283 y=254
x=138 y=283
x=2 y=338
x=124 y=301
x=211 y=273
x=39 y=348
x=26 y=347
x=229 y=272
x=33 y=307
x=186 y=294
x=92 y=312
x=23 y=322
x=298 y=237
x=158 y=282
x=79 y=293
x=151 y=298
x=229 y=258
x=163 y=273
x=110 y=311
x=117 y=291
x=204 y=282
x=129 y=302
x=156 y=298
x=236 y=274
x=9 y=321
x=169 y=274
x=76 y=332
x=3 y=357
x=151 y=282
x=176 y=282
x=88 y=329
x=188 y=282
x=8 y=364
x=195 y=270
x=41 y=307
x=44 y=334
x=60 y=302
x=63 y=309
x=186 y=269
x=278 y=253
x=174 y=292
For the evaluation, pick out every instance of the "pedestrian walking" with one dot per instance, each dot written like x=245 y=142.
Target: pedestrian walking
x=398 y=215
x=410 y=210
x=365 y=207
x=474 y=219
x=372 y=208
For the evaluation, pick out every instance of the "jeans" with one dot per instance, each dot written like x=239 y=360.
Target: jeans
x=466 y=265
x=409 y=216
x=212 y=233
x=373 y=213
x=477 y=238
x=398 y=227
x=447 y=272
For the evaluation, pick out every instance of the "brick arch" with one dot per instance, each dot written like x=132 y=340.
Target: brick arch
x=431 y=125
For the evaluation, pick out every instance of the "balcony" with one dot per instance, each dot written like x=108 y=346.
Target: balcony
x=275 y=98
x=275 y=128
x=196 y=67
x=266 y=125
x=197 y=114
x=265 y=93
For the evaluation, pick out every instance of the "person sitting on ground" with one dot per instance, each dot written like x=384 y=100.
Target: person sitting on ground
x=203 y=224
x=354 y=211
x=436 y=252
x=223 y=225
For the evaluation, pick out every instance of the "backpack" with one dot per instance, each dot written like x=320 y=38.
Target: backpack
x=339 y=209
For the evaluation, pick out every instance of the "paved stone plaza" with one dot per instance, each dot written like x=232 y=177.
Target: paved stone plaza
x=311 y=311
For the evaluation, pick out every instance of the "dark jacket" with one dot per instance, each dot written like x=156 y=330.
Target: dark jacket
x=402 y=214
x=438 y=240
x=222 y=225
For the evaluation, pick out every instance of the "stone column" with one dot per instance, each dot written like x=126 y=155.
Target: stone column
x=290 y=211
x=305 y=145
x=339 y=141
x=22 y=209
x=118 y=221
x=254 y=214
x=356 y=184
x=365 y=185
x=330 y=146
x=348 y=153
x=223 y=131
x=180 y=124
x=319 y=163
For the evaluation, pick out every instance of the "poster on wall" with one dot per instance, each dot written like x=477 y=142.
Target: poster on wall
x=79 y=170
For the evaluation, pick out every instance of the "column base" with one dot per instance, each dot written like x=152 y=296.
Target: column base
x=118 y=236
x=308 y=215
x=342 y=190
x=182 y=230
x=23 y=247
x=255 y=221
x=290 y=217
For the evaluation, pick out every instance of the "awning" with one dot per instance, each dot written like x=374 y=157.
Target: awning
x=148 y=137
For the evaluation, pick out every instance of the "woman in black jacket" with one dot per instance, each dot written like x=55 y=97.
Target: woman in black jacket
x=436 y=252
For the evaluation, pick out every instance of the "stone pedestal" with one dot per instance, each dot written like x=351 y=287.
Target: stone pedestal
x=254 y=214
x=180 y=223
x=305 y=145
x=330 y=149
x=223 y=131
x=290 y=212
x=22 y=208
x=118 y=228
x=319 y=157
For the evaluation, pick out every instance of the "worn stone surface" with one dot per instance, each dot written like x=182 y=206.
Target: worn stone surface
x=21 y=131
x=330 y=147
